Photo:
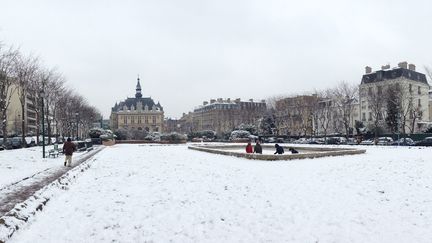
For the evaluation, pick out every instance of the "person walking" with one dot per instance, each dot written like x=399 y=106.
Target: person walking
x=249 y=148
x=258 y=148
x=279 y=149
x=68 y=149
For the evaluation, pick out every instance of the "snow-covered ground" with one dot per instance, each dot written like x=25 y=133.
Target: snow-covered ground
x=18 y=164
x=136 y=193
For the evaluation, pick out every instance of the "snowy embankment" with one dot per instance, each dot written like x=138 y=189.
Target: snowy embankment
x=135 y=193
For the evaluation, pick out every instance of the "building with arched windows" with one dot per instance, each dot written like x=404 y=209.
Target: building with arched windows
x=138 y=113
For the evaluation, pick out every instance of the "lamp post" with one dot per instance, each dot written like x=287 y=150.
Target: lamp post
x=42 y=95
x=77 y=121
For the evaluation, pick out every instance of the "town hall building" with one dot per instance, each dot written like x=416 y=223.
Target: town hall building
x=139 y=113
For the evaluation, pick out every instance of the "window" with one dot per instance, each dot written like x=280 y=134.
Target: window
x=418 y=90
x=379 y=90
x=363 y=116
x=132 y=119
x=370 y=91
x=146 y=120
x=370 y=116
x=410 y=88
x=419 y=102
x=125 y=119
x=154 y=119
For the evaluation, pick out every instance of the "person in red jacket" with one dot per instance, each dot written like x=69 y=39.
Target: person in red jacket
x=68 y=149
x=249 y=148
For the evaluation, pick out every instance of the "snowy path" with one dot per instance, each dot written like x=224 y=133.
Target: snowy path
x=147 y=193
x=19 y=164
x=19 y=191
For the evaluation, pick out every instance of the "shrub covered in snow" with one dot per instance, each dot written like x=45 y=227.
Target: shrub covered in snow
x=96 y=132
x=203 y=134
x=173 y=137
x=252 y=129
x=153 y=136
x=239 y=134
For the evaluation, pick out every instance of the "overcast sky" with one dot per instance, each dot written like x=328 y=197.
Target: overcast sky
x=190 y=51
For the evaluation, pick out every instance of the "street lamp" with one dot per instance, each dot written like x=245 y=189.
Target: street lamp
x=77 y=120
x=42 y=95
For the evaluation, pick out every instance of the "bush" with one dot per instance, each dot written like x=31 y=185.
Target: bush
x=239 y=134
x=173 y=137
x=96 y=132
x=153 y=136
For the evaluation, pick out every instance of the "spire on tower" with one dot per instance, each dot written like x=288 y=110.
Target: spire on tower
x=138 y=93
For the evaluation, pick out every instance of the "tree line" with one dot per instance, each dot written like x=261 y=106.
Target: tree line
x=335 y=109
x=25 y=75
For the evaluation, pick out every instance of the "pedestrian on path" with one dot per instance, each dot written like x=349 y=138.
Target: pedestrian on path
x=68 y=149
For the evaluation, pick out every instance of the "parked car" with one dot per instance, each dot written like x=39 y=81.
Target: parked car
x=404 y=142
x=1 y=144
x=16 y=142
x=425 y=142
x=367 y=142
x=30 y=141
x=385 y=141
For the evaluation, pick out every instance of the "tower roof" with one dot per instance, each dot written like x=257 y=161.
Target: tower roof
x=138 y=93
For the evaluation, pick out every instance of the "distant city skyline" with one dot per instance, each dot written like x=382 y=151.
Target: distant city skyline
x=187 y=52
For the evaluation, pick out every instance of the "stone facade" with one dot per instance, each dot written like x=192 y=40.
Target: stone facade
x=294 y=116
x=139 y=113
x=14 y=114
x=223 y=115
x=414 y=95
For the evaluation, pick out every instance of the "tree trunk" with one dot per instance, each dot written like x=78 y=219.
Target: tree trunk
x=23 y=131
x=4 y=127
x=48 y=125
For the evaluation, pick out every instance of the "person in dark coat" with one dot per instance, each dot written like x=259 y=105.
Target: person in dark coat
x=293 y=150
x=249 y=148
x=279 y=149
x=258 y=148
x=68 y=149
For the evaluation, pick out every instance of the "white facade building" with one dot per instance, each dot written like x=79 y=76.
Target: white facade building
x=413 y=96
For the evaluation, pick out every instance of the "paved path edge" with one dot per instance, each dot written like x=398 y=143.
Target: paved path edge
x=21 y=214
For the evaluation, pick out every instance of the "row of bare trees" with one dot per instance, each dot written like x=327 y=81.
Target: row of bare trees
x=324 y=110
x=65 y=111
x=392 y=107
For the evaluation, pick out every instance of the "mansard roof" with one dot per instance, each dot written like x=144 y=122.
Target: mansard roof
x=390 y=74
x=129 y=102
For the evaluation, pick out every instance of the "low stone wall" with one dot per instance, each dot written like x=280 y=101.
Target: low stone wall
x=320 y=152
x=108 y=142
x=149 y=142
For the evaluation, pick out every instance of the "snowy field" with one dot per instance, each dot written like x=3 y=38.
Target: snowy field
x=18 y=164
x=136 y=193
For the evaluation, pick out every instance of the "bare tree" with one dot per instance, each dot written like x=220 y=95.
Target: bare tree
x=325 y=111
x=25 y=70
x=345 y=98
x=8 y=57
x=376 y=102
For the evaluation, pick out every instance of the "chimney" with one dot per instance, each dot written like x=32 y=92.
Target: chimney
x=403 y=65
x=251 y=100
x=412 y=67
x=229 y=100
x=368 y=69
x=385 y=67
x=237 y=100
x=205 y=103
x=220 y=100
x=212 y=101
